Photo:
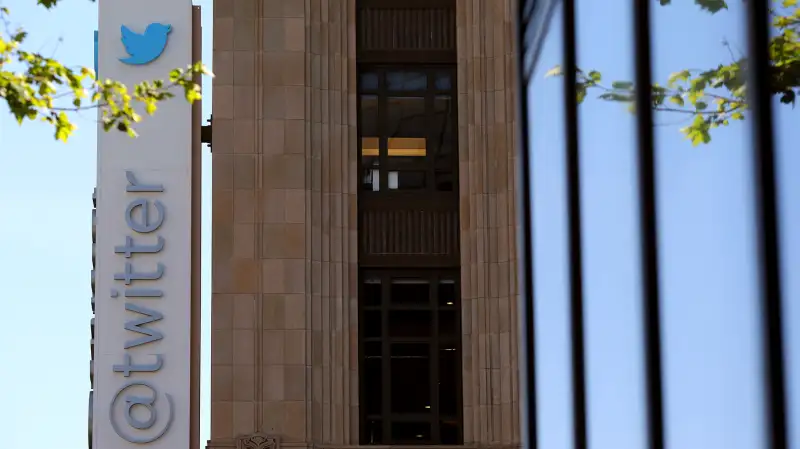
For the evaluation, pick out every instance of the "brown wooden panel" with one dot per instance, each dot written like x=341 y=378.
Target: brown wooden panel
x=398 y=230
x=394 y=30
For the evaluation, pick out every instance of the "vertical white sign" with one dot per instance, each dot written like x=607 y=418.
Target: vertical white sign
x=143 y=254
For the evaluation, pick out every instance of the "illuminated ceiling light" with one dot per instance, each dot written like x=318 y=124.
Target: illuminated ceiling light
x=427 y=406
x=449 y=303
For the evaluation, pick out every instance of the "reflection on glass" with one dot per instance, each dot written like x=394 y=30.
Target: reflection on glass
x=707 y=254
x=412 y=81
x=407 y=180
x=612 y=314
x=369 y=81
x=407 y=129
x=443 y=128
x=546 y=134
x=787 y=159
x=410 y=148
x=442 y=80
x=368 y=128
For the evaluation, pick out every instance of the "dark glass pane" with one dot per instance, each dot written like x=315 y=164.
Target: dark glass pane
x=373 y=381
x=445 y=181
x=373 y=432
x=447 y=293
x=407 y=180
x=410 y=323
x=443 y=81
x=448 y=327
x=410 y=291
x=373 y=348
x=372 y=324
x=443 y=132
x=411 y=433
x=410 y=378
x=369 y=81
x=368 y=129
x=369 y=116
x=407 y=80
x=372 y=292
x=407 y=129
x=449 y=382
x=450 y=432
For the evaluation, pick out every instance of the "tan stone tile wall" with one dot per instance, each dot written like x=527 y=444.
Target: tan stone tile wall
x=487 y=83
x=284 y=316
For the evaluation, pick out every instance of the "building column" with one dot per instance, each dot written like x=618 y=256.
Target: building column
x=284 y=311
x=487 y=88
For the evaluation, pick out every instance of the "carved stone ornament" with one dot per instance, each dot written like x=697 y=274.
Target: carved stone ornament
x=258 y=441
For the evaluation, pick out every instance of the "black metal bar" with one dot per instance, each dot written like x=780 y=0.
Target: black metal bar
x=766 y=209
x=525 y=273
x=648 y=225
x=573 y=180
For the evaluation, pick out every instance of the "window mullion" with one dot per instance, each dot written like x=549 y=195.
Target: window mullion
x=386 y=360
x=434 y=355
x=429 y=131
x=383 y=141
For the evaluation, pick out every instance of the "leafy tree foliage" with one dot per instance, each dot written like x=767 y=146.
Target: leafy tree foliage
x=37 y=87
x=714 y=96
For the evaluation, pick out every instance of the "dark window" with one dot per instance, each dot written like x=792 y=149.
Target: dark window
x=410 y=357
x=407 y=125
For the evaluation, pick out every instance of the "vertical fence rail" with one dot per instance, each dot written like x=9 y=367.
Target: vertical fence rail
x=648 y=224
x=766 y=214
x=766 y=211
x=573 y=180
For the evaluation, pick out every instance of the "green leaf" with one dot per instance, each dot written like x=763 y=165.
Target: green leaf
x=712 y=6
x=700 y=106
x=677 y=99
x=788 y=97
x=683 y=75
x=555 y=71
x=622 y=85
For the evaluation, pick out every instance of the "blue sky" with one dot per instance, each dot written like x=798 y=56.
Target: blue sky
x=711 y=356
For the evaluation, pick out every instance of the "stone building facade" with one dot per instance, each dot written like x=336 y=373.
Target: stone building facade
x=299 y=223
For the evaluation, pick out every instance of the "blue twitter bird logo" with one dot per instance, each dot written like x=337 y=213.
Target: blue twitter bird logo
x=147 y=47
